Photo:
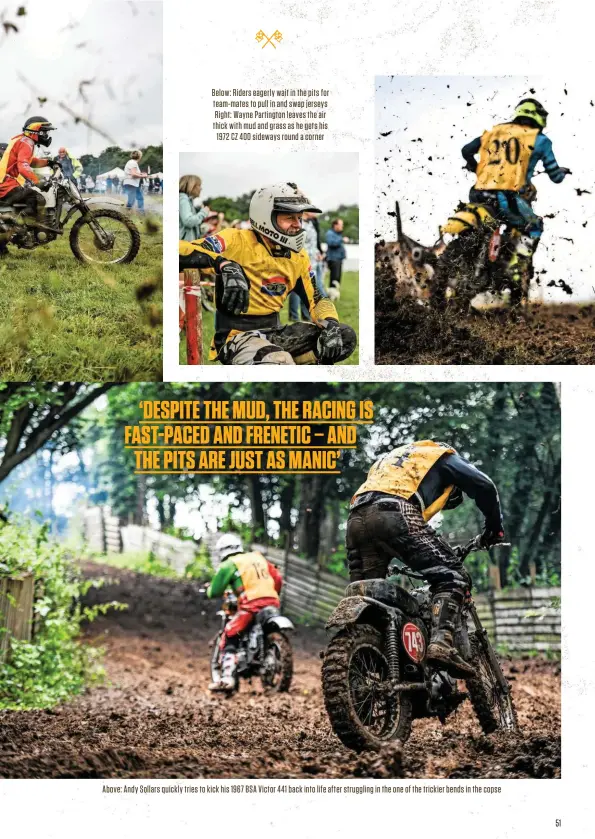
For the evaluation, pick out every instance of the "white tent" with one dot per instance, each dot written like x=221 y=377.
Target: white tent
x=117 y=172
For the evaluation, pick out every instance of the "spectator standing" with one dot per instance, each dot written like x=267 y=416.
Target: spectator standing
x=116 y=183
x=192 y=213
x=132 y=182
x=71 y=167
x=90 y=183
x=314 y=251
x=109 y=183
x=335 y=255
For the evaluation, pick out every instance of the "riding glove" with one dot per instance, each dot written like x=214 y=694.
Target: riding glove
x=235 y=298
x=489 y=538
x=330 y=342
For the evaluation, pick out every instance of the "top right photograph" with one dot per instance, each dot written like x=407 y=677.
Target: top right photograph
x=484 y=214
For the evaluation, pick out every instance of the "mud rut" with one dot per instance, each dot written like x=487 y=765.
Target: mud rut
x=408 y=332
x=155 y=718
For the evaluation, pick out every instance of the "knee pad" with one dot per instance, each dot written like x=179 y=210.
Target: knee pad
x=451 y=580
x=272 y=355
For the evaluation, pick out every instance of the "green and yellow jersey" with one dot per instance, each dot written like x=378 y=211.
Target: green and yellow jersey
x=250 y=575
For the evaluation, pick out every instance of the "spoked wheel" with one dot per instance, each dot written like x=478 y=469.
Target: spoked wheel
x=106 y=237
x=277 y=668
x=363 y=711
x=493 y=706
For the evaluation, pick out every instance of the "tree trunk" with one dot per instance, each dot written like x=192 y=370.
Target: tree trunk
x=141 y=500
x=286 y=503
x=161 y=512
x=257 y=508
x=311 y=515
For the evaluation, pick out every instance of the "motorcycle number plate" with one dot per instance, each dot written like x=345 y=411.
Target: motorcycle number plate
x=414 y=642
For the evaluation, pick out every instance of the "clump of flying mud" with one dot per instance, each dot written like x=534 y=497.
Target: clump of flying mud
x=408 y=331
x=155 y=718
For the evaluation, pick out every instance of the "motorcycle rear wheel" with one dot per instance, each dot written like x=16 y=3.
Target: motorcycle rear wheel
x=353 y=669
x=85 y=246
x=493 y=708
x=278 y=645
x=457 y=262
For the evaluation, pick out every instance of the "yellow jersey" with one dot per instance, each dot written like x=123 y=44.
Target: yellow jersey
x=504 y=157
x=273 y=272
x=401 y=471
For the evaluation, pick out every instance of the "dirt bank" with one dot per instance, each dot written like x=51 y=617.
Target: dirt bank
x=155 y=719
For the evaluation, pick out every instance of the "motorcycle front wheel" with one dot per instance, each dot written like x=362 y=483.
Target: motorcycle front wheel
x=493 y=705
x=355 y=683
x=277 y=668
x=121 y=243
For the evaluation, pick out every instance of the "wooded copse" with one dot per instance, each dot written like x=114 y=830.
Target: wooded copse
x=114 y=156
x=239 y=208
x=511 y=431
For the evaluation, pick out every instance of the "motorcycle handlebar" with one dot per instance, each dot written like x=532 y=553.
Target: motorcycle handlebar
x=475 y=545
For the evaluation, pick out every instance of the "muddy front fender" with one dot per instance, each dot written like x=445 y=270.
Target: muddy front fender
x=95 y=203
x=349 y=610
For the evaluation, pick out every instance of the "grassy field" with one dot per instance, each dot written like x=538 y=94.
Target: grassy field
x=347 y=307
x=62 y=320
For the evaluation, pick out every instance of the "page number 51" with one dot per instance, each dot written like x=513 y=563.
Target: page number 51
x=558 y=822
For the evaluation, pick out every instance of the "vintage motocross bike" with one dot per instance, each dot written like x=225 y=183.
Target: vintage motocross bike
x=478 y=256
x=375 y=676
x=264 y=649
x=101 y=235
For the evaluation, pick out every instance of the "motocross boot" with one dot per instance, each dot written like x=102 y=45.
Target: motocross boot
x=226 y=683
x=446 y=607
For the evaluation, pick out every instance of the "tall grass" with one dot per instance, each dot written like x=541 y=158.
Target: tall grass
x=61 y=320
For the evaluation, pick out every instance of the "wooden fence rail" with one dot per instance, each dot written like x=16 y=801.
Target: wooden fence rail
x=522 y=619
x=16 y=610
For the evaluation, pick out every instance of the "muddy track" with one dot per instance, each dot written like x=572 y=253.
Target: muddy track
x=409 y=332
x=155 y=718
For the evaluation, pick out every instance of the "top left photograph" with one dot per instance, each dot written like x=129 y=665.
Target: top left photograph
x=81 y=192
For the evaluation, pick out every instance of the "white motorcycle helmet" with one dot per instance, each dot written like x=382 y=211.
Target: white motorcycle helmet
x=227 y=545
x=279 y=198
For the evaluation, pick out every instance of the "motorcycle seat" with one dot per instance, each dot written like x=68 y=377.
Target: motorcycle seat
x=266 y=614
x=386 y=592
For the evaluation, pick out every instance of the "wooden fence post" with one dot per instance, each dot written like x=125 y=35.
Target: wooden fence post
x=191 y=317
x=16 y=610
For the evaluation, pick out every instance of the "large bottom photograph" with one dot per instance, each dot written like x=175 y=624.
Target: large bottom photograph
x=235 y=580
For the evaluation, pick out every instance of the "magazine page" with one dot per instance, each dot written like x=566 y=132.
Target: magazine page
x=281 y=546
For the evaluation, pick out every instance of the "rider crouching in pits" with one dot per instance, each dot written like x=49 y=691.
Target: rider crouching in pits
x=17 y=164
x=388 y=516
x=255 y=270
x=508 y=155
x=256 y=582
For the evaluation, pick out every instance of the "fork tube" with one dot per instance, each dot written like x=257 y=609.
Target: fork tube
x=485 y=642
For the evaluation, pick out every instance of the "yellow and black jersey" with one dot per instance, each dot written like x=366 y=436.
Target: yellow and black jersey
x=504 y=157
x=273 y=272
x=429 y=474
